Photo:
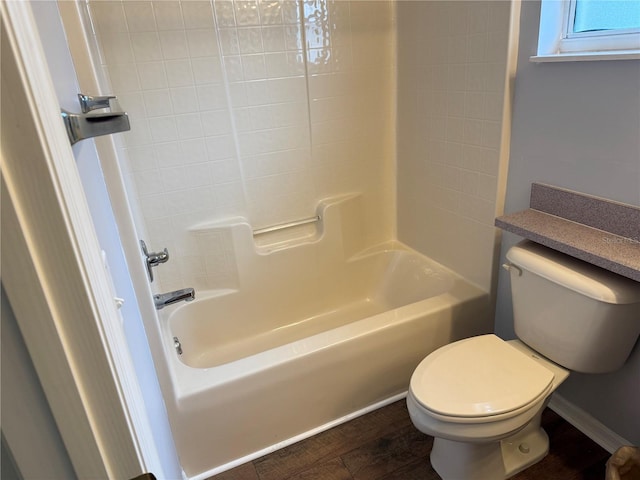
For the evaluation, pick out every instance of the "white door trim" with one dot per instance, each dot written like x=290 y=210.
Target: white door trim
x=53 y=272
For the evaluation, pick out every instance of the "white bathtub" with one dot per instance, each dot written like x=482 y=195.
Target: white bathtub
x=306 y=351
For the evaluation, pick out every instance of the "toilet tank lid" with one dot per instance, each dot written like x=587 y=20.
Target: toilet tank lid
x=577 y=275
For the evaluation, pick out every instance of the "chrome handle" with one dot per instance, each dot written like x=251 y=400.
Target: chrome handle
x=81 y=126
x=84 y=125
x=153 y=259
x=91 y=102
x=508 y=266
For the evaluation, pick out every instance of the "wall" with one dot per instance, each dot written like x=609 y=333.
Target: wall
x=8 y=467
x=34 y=447
x=248 y=108
x=576 y=125
x=452 y=59
x=52 y=35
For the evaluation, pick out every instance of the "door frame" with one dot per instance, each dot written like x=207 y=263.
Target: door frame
x=54 y=276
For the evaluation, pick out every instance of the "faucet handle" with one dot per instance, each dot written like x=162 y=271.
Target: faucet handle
x=94 y=102
x=153 y=259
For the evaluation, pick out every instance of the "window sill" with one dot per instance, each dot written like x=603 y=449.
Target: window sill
x=587 y=56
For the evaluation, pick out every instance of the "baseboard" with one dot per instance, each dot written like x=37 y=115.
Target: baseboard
x=592 y=428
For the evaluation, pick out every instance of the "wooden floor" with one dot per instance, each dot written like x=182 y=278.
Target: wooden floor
x=384 y=445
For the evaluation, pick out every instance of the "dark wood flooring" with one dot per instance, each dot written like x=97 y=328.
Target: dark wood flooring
x=384 y=445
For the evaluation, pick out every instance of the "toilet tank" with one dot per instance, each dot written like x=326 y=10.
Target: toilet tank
x=576 y=314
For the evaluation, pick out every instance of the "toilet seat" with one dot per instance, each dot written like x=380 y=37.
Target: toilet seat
x=479 y=379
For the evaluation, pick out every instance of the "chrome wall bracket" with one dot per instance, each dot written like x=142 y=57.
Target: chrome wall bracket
x=84 y=125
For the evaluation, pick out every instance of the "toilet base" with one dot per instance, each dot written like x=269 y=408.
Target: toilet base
x=490 y=461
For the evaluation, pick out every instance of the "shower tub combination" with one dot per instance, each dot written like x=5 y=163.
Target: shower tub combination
x=313 y=331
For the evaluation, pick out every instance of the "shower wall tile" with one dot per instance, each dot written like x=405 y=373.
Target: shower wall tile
x=450 y=100
x=179 y=73
x=249 y=108
x=349 y=66
x=152 y=75
x=202 y=43
x=146 y=46
x=197 y=14
x=246 y=13
x=168 y=15
x=109 y=17
x=117 y=47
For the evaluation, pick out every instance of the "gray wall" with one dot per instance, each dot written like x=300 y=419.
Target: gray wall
x=577 y=125
x=31 y=443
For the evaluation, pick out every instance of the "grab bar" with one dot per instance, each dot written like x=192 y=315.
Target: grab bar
x=282 y=226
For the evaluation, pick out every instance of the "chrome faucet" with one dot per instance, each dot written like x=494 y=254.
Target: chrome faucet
x=153 y=259
x=86 y=125
x=164 y=299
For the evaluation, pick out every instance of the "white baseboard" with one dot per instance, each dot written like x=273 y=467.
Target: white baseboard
x=592 y=428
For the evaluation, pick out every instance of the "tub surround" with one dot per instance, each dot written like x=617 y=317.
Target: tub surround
x=599 y=231
x=316 y=310
x=246 y=108
x=452 y=61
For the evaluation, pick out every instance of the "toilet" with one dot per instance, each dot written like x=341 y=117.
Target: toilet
x=482 y=397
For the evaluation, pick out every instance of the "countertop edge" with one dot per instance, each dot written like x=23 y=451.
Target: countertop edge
x=615 y=253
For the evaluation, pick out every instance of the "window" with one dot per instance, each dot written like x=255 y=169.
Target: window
x=605 y=15
x=589 y=30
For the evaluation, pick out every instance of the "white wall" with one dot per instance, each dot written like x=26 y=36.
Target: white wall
x=247 y=108
x=452 y=59
x=577 y=126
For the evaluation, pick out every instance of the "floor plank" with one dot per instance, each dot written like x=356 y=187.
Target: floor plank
x=332 y=443
x=418 y=470
x=379 y=458
x=332 y=470
x=571 y=453
x=246 y=471
x=384 y=445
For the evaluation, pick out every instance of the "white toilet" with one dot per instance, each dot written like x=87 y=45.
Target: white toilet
x=482 y=397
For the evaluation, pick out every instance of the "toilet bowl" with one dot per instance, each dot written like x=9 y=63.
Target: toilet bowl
x=482 y=398
x=486 y=418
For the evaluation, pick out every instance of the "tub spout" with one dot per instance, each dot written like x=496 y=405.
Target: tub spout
x=163 y=299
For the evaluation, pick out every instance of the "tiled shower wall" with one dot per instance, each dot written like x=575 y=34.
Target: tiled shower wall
x=451 y=82
x=254 y=108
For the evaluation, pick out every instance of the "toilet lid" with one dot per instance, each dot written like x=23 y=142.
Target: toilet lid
x=478 y=377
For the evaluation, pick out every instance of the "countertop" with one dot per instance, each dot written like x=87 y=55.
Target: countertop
x=614 y=246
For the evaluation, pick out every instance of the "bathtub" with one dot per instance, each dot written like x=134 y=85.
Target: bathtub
x=261 y=368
